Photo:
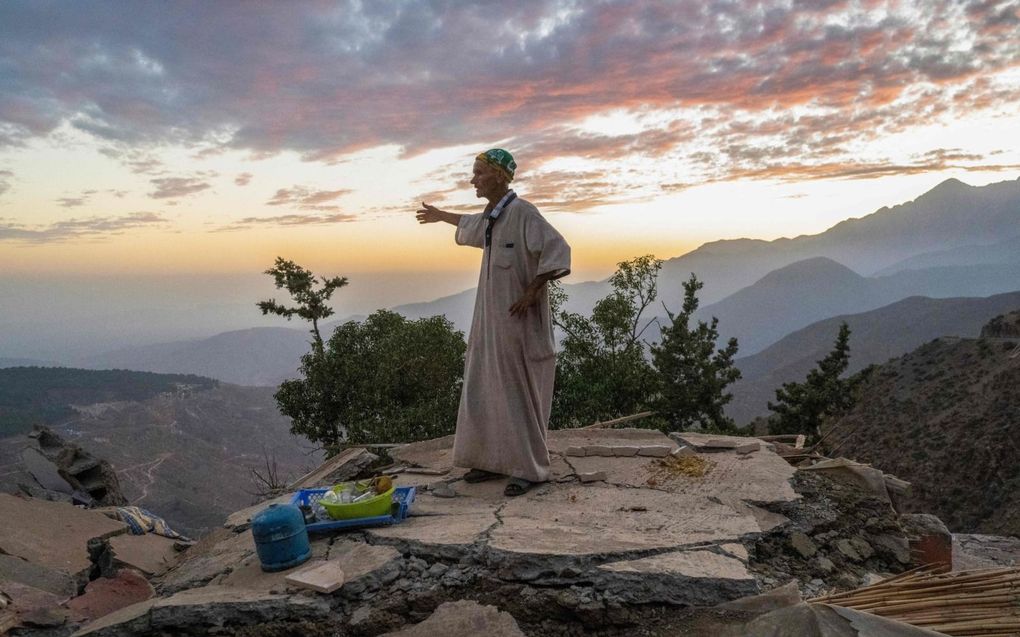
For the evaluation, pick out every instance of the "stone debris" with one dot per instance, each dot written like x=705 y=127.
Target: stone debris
x=23 y=605
x=464 y=619
x=599 y=450
x=323 y=577
x=594 y=476
x=625 y=451
x=576 y=452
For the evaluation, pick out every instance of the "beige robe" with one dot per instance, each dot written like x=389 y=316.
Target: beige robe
x=511 y=361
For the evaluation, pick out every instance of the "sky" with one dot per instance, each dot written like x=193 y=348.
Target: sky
x=202 y=140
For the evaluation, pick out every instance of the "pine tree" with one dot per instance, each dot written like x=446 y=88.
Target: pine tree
x=800 y=408
x=692 y=374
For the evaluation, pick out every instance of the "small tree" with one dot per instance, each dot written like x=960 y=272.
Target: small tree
x=692 y=374
x=312 y=304
x=601 y=370
x=385 y=380
x=800 y=408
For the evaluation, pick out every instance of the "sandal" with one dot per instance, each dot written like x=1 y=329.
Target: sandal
x=477 y=475
x=517 y=486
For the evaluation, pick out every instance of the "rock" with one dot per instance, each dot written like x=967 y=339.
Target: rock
x=464 y=619
x=53 y=535
x=437 y=569
x=862 y=547
x=366 y=566
x=592 y=476
x=930 y=540
x=576 y=452
x=443 y=490
x=57 y=582
x=847 y=549
x=802 y=544
x=825 y=564
x=323 y=577
x=654 y=451
x=150 y=553
x=106 y=595
x=598 y=450
x=80 y=469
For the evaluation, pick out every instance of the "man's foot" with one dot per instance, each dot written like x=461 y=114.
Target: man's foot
x=477 y=475
x=517 y=486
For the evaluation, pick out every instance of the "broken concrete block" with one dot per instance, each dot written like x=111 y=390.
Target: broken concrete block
x=324 y=577
x=57 y=582
x=683 y=452
x=750 y=447
x=54 y=535
x=443 y=490
x=930 y=540
x=654 y=451
x=576 y=452
x=150 y=553
x=625 y=451
x=592 y=476
x=599 y=450
x=108 y=594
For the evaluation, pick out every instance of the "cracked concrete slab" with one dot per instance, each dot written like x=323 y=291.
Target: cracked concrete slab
x=220 y=552
x=53 y=534
x=599 y=520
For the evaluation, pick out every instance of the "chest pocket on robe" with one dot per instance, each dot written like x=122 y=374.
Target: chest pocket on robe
x=503 y=256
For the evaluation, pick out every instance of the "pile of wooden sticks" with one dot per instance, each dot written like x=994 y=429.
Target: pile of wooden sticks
x=983 y=603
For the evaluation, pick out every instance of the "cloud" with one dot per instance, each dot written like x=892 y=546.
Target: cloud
x=306 y=198
x=173 y=187
x=766 y=84
x=243 y=179
x=288 y=221
x=6 y=177
x=95 y=228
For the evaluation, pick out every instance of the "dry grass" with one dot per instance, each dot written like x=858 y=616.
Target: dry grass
x=670 y=468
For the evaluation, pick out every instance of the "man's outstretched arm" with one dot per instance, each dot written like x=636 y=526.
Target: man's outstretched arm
x=431 y=214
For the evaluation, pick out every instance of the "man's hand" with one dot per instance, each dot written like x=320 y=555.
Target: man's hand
x=430 y=214
x=528 y=299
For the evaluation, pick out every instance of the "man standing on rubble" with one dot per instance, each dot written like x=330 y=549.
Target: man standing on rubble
x=511 y=361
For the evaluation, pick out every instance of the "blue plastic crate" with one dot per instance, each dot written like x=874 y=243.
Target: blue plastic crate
x=402 y=499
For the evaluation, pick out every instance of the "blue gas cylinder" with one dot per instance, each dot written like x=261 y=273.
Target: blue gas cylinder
x=281 y=539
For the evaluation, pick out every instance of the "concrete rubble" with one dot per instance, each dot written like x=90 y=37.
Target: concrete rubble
x=634 y=530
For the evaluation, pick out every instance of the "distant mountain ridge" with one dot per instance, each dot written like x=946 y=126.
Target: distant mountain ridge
x=876 y=336
x=953 y=219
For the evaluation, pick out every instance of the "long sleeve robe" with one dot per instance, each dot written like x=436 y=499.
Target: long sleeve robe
x=511 y=361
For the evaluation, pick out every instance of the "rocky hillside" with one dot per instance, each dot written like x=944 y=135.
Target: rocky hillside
x=877 y=336
x=946 y=417
x=184 y=454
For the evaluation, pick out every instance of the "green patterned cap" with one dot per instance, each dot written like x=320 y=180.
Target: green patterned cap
x=501 y=160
